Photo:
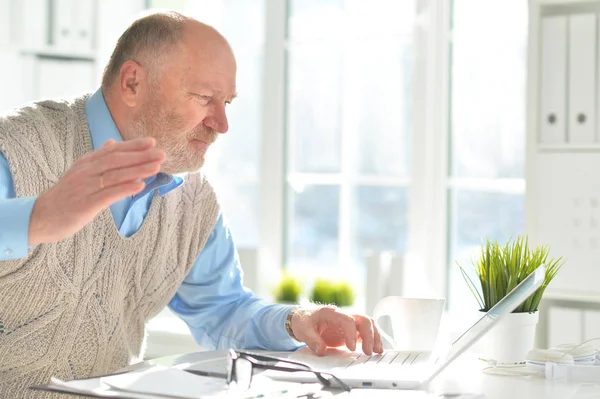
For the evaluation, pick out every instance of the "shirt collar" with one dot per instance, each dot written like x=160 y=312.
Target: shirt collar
x=103 y=128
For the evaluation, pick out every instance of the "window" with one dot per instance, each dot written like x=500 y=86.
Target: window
x=331 y=96
x=349 y=125
x=487 y=131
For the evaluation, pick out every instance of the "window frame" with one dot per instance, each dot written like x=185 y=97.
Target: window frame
x=427 y=246
x=508 y=186
x=430 y=184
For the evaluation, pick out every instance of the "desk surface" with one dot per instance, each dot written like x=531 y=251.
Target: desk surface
x=465 y=375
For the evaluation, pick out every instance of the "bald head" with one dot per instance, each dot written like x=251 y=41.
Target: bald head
x=156 y=38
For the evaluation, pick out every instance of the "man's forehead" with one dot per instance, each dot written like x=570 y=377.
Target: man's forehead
x=213 y=84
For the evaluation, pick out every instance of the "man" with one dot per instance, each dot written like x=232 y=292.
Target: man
x=97 y=235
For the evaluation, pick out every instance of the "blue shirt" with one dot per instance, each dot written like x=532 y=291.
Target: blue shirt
x=220 y=313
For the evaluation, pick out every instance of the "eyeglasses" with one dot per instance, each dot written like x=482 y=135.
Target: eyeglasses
x=241 y=367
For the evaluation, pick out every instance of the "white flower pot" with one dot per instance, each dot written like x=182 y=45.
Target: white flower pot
x=509 y=341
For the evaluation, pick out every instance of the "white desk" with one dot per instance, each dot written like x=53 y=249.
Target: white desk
x=464 y=376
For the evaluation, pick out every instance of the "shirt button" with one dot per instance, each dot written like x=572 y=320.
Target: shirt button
x=8 y=252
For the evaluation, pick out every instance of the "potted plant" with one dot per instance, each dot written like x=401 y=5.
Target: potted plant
x=499 y=269
x=288 y=290
x=343 y=294
x=338 y=293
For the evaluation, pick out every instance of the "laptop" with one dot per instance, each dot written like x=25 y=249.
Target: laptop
x=405 y=370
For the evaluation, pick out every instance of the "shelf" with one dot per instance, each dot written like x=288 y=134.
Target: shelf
x=572 y=296
x=60 y=54
x=569 y=147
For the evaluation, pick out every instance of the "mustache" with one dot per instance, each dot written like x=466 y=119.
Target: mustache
x=207 y=135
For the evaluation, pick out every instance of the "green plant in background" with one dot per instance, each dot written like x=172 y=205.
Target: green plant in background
x=335 y=293
x=343 y=294
x=288 y=290
x=322 y=292
x=501 y=268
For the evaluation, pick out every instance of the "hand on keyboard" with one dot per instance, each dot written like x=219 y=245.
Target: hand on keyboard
x=326 y=326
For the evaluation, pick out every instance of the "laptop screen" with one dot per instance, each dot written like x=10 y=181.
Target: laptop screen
x=509 y=303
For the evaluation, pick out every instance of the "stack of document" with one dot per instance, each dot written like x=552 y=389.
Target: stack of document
x=173 y=383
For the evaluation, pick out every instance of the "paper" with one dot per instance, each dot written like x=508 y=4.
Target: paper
x=169 y=382
x=174 y=383
x=149 y=383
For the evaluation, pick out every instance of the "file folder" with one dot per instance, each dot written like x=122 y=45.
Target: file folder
x=582 y=78
x=553 y=84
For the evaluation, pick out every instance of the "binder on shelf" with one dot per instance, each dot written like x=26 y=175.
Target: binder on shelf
x=553 y=84
x=83 y=23
x=62 y=24
x=582 y=79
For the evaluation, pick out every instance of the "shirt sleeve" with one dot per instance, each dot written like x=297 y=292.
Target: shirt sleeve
x=219 y=311
x=15 y=214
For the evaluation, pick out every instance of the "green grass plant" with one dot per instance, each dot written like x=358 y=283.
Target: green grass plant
x=326 y=292
x=288 y=290
x=500 y=268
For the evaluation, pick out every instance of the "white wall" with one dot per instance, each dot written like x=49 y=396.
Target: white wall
x=31 y=68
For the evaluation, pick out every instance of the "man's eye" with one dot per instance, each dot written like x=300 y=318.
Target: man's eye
x=204 y=99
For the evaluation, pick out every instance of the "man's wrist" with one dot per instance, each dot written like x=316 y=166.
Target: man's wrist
x=37 y=225
x=288 y=322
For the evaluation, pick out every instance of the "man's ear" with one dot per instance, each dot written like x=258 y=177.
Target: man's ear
x=132 y=82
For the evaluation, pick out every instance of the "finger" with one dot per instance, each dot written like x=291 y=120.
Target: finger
x=120 y=159
x=112 y=146
x=139 y=144
x=92 y=155
x=348 y=326
x=105 y=198
x=313 y=339
x=377 y=343
x=365 y=329
x=118 y=176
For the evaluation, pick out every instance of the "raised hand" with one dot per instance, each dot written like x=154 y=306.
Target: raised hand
x=93 y=183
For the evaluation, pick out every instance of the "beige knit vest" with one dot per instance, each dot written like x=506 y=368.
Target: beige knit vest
x=77 y=308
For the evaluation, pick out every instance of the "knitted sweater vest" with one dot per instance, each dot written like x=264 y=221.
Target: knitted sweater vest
x=78 y=307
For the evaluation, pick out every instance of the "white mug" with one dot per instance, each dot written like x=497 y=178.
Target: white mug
x=415 y=321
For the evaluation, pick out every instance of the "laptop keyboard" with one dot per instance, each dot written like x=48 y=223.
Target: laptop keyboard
x=389 y=357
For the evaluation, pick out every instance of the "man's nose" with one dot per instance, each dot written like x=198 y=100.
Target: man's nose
x=217 y=119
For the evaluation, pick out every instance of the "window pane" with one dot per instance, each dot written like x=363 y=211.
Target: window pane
x=315 y=19
x=373 y=17
x=379 y=220
x=349 y=118
x=488 y=88
x=314 y=108
x=314 y=226
x=384 y=96
x=337 y=19
x=479 y=216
